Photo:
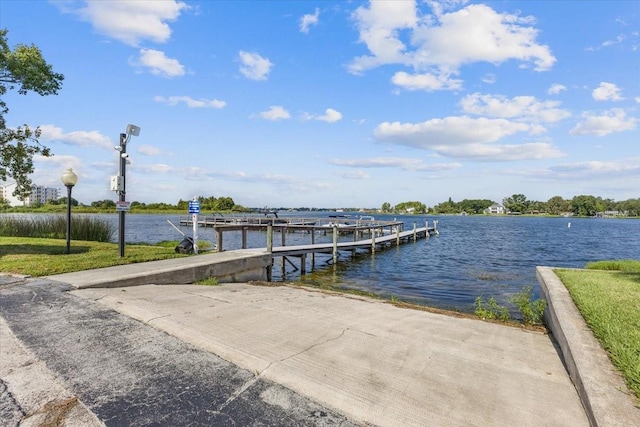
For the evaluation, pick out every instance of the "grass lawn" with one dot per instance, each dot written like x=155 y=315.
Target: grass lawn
x=609 y=301
x=44 y=257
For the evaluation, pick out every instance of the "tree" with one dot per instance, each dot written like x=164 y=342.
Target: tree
x=411 y=207
x=23 y=68
x=585 y=205
x=516 y=203
x=447 y=207
x=103 y=204
x=474 y=206
x=63 y=201
x=224 y=204
x=557 y=205
x=386 y=207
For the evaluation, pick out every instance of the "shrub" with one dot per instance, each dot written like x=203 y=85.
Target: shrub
x=491 y=309
x=532 y=311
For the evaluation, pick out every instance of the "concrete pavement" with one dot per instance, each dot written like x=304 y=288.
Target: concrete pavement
x=373 y=362
x=240 y=354
x=126 y=373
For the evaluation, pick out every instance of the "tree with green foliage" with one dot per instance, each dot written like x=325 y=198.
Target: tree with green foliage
x=63 y=201
x=557 y=205
x=584 y=205
x=104 y=204
x=516 y=203
x=411 y=207
x=23 y=69
x=447 y=207
x=224 y=204
x=386 y=207
x=474 y=206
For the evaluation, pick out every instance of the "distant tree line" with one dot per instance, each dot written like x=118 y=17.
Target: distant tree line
x=207 y=204
x=583 y=205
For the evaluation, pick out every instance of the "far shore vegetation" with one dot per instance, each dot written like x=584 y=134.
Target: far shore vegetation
x=607 y=294
x=517 y=204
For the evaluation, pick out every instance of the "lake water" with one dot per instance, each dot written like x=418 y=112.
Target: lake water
x=473 y=255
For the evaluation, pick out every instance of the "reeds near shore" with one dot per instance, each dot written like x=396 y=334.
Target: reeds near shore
x=86 y=228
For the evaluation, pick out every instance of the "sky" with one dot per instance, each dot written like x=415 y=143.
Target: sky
x=337 y=104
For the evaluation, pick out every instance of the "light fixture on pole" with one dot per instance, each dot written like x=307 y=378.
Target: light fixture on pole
x=69 y=179
x=120 y=181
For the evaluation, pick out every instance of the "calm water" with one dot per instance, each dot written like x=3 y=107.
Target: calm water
x=473 y=256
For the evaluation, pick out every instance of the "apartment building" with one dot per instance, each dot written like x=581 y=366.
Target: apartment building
x=39 y=194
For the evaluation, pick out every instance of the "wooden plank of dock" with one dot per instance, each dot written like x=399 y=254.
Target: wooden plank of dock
x=350 y=246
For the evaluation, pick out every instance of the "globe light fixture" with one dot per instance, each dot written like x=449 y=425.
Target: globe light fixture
x=69 y=179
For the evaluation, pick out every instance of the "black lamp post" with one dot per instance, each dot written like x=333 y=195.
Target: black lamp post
x=69 y=179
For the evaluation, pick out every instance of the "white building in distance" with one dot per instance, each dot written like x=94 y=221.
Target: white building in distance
x=38 y=195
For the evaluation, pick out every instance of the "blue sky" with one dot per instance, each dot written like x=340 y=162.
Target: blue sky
x=337 y=103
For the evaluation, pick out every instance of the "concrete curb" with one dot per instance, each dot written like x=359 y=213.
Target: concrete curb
x=603 y=392
x=229 y=266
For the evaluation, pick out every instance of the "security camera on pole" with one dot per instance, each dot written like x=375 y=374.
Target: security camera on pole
x=118 y=183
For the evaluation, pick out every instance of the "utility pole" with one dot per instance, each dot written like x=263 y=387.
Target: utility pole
x=123 y=191
x=118 y=183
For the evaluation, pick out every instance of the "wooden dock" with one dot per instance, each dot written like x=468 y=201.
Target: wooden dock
x=378 y=234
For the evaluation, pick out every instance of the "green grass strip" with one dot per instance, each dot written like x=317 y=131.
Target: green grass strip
x=609 y=301
x=44 y=257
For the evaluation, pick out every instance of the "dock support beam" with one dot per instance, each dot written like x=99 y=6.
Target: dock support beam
x=335 y=245
x=373 y=240
x=244 y=237
x=219 y=239
x=269 y=238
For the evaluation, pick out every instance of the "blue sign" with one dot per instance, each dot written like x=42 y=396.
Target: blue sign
x=194 y=207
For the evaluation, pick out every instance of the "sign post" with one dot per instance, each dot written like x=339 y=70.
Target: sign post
x=194 y=210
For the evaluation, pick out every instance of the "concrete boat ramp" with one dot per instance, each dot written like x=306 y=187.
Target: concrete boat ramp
x=242 y=354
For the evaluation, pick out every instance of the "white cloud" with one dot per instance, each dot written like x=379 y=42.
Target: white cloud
x=79 y=138
x=275 y=112
x=449 y=130
x=254 y=66
x=614 y=120
x=520 y=108
x=465 y=137
x=148 y=150
x=155 y=168
x=556 y=89
x=595 y=170
x=330 y=116
x=426 y=81
x=308 y=20
x=190 y=102
x=131 y=21
x=489 y=78
x=158 y=64
x=607 y=92
x=355 y=175
x=397 y=33
x=395 y=162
